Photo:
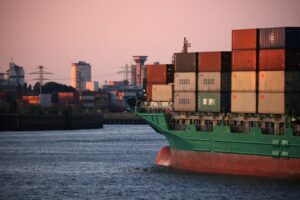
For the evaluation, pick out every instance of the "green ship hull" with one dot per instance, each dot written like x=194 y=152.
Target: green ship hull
x=222 y=151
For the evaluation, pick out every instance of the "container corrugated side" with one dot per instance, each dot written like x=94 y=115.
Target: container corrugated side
x=243 y=81
x=162 y=93
x=273 y=59
x=245 y=39
x=185 y=101
x=292 y=105
x=186 y=62
x=218 y=61
x=279 y=59
x=225 y=81
x=271 y=103
x=170 y=73
x=209 y=81
x=244 y=60
x=292 y=81
x=209 y=102
x=271 y=81
x=185 y=81
x=156 y=73
x=279 y=37
x=209 y=62
x=243 y=102
x=226 y=57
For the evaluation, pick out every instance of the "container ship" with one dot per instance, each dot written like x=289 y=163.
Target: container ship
x=230 y=112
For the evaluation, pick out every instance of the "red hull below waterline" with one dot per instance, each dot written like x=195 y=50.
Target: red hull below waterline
x=225 y=163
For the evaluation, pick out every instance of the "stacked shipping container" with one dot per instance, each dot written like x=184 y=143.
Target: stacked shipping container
x=185 y=81
x=279 y=67
x=244 y=66
x=159 y=79
x=214 y=82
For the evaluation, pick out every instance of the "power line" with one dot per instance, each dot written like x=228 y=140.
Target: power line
x=41 y=78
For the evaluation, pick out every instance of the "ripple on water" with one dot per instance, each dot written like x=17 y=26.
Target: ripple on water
x=116 y=162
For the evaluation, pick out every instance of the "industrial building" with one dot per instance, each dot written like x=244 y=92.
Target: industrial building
x=139 y=71
x=14 y=76
x=81 y=73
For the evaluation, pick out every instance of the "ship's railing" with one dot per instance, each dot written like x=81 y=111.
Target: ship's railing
x=268 y=131
x=296 y=130
x=205 y=128
x=237 y=129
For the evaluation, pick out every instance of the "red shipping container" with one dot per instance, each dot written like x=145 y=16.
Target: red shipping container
x=244 y=60
x=272 y=59
x=156 y=73
x=245 y=39
x=219 y=61
x=209 y=62
x=279 y=59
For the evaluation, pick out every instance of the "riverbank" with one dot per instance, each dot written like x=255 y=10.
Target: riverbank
x=31 y=122
x=122 y=118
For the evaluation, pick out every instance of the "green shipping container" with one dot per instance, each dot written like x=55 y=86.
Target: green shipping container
x=209 y=102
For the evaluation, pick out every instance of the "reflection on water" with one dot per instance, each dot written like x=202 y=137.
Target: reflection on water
x=116 y=162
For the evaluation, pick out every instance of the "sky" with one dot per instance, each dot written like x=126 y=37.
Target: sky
x=107 y=33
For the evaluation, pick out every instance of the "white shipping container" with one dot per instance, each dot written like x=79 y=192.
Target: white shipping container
x=243 y=81
x=162 y=93
x=185 y=81
x=243 y=102
x=185 y=101
x=209 y=81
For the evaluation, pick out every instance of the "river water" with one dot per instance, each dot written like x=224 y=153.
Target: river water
x=116 y=162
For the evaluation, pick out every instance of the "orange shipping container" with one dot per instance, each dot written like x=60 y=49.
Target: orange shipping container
x=243 y=102
x=271 y=81
x=162 y=93
x=244 y=60
x=244 y=39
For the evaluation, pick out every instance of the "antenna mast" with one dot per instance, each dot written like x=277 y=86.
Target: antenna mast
x=186 y=44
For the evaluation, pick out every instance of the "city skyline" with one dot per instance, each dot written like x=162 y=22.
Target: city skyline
x=107 y=34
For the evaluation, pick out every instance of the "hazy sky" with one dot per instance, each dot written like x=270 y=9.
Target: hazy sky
x=107 y=33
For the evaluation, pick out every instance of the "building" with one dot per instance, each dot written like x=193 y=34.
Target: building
x=87 y=99
x=68 y=98
x=81 y=73
x=102 y=99
x=140 y=70
x=132 y=78
x=14 y=75
x=3 y=79
x=92 y=86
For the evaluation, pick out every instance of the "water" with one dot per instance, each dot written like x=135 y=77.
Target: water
x=116 y=162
